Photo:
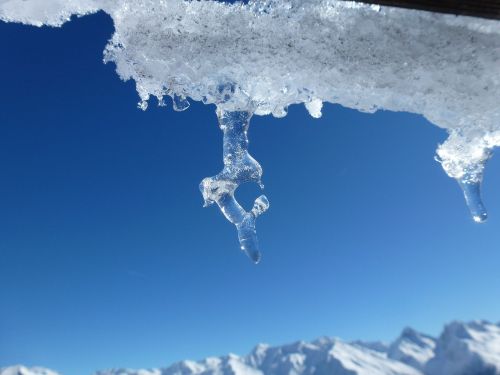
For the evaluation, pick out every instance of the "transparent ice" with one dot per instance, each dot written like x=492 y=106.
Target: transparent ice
x=473 y=199
x=239 y=168
x=263 y=56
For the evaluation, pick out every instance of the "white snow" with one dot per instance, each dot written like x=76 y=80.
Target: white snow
x=361 y=361
x=45 y=12
x=268 y=54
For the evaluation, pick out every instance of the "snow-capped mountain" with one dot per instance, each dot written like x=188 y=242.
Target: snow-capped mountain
x=462 y=349
x=323 y=356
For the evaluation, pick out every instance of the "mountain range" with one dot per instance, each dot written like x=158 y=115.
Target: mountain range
x=462 y=349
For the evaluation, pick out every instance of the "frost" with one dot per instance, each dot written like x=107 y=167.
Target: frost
x=261 y=57
x=45 y=12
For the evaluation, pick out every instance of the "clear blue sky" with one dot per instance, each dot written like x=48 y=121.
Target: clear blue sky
x=109 y=260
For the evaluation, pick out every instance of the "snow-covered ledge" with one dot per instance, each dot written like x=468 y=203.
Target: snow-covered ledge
x=263 y=56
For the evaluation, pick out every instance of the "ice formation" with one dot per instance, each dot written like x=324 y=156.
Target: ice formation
x=260 y=57
x=239 y=168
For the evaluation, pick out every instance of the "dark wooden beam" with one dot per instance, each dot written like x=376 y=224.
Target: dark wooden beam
x=475 y=8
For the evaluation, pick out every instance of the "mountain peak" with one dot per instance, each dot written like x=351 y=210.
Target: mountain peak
x=467 y=348
x=412 y=348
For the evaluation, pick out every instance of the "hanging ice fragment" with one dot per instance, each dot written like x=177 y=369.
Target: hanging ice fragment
x=314 y=107
x=239 y=168
x=464 y=156
x=472 y=193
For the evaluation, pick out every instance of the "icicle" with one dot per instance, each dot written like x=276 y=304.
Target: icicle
x=314 y=107
x=472 y=192
x=239 y=167
x=464 y=156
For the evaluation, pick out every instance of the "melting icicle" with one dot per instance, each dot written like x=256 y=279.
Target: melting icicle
x=239 y=168
x=464 y=158
x=472 y=193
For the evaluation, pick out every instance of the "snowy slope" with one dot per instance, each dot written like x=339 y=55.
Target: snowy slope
x=413 y=348
x=462 y=349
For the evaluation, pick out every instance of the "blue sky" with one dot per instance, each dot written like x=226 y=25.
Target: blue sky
x=109 y=260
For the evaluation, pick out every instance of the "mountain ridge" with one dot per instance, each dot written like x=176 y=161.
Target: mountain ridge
x=471 y=348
